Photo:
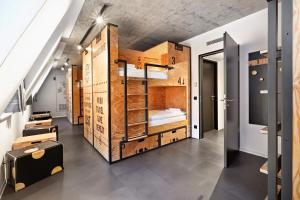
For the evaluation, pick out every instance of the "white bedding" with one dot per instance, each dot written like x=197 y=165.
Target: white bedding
x=140 y=73
x=160 y=117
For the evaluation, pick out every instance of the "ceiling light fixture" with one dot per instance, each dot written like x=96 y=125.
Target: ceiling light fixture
x=62 y=69
x=99 y=19
x=79 y=47
x=54 y=64
x=67 y=62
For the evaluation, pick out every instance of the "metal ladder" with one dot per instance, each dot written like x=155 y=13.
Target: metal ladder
x=127 y=110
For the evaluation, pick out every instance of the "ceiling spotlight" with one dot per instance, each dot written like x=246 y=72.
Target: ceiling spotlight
x=67 y=62
x=62 y=69
x=79 y=47
x=99 y=19
x=54 y=64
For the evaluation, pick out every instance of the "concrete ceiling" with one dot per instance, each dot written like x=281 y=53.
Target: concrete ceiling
x=143 y=23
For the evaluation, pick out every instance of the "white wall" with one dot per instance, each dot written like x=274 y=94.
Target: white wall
x=12 y=128
x=50 y=96
x=251 y=33
x=47 y=56
x=220 y=76
x=41 y=30
x=15 y=17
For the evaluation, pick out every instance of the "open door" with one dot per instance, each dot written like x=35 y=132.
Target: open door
x=231 y=100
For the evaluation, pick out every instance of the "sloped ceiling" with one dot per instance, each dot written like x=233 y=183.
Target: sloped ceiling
x=143 y=23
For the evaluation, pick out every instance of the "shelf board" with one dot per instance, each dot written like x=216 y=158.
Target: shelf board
x=264 y=130
x=137 y=137
x=137 y=123
x=264 y=169
x=137 y=109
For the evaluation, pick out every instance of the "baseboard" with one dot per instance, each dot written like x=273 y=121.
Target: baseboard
x=251 y=151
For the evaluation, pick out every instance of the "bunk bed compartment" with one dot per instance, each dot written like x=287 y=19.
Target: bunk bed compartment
x=160 y=117
x=168 y=108
x=132 y=71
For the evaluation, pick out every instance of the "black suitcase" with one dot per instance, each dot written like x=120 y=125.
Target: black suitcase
x=34 y=163
x=41 y=130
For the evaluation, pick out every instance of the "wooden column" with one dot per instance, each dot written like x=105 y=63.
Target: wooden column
x=87 y=94
x=100 y=46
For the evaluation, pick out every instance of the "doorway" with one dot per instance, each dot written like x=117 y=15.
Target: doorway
x=230 y=98
x=210 y=95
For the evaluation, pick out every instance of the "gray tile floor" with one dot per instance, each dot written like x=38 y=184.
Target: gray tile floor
x=189 y=169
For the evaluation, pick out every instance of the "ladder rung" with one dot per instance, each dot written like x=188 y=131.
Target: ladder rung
x=136 y=79
x=264 y=169
x=137 y=137
x=265 y=130
x=137 y=123
x=137 y=109
x=145 y=94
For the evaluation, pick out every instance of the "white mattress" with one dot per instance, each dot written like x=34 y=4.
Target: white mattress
x=160 y=117
x=139 y=73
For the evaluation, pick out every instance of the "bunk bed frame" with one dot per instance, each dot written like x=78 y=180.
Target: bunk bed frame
x=279 y=168
x=107 y=97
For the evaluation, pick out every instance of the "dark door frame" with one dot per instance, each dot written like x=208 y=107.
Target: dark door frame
x=200 y=80
x=215 y=91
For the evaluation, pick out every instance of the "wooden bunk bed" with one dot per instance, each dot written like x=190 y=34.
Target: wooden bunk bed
x=74 y=95
x=134 y=101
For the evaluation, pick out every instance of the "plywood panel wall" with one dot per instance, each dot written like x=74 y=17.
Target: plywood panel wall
x=296 y=100
x=157 y=98
x=76 y=99
x=100 y=93
x=176 y=97
x=87 y=93
x=156 y=54
x=117 y=96
x=132 y=57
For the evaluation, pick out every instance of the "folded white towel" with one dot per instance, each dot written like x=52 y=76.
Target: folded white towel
x=131 y=66
x=174 y=109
